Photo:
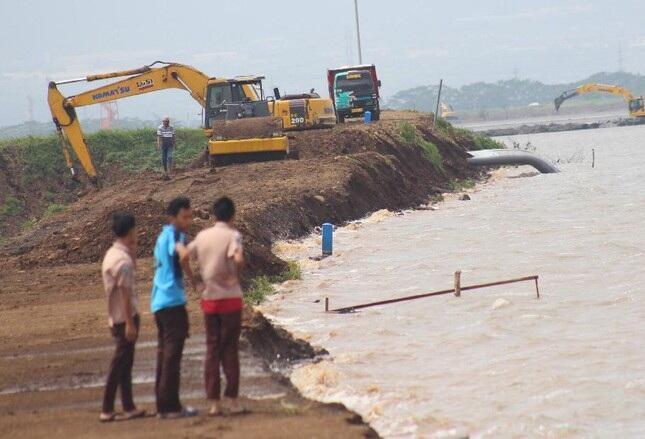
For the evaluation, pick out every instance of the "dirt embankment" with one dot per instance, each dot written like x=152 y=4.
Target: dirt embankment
x=341 y=174
x=25 y=194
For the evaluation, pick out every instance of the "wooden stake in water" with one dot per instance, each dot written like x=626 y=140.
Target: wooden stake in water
x=593 y=157
x=458 y=283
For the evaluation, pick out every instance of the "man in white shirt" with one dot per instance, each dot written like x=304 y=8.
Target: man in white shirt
x=166 y=144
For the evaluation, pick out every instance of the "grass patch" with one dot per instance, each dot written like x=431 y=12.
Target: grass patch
x=293 y=272
x=262 y=286
x=478 y=141
x=485 y=142
x=11 y=207
x=134 y=150
x=434 y=199
x=411 y=136
x=459 y=184
x=53 y=209
x=28 y=224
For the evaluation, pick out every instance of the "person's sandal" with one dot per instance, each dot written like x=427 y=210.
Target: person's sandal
x=107 y=417
x=186 y=412
x=235 y=408
x=215 y=410
x=134 y=414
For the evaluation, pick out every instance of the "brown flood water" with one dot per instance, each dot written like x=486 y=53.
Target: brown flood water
x=496 y=362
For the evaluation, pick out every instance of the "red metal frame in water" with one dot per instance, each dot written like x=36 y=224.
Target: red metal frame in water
x=457 y=290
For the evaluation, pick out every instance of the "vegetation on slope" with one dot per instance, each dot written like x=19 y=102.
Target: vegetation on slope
x=34 y=180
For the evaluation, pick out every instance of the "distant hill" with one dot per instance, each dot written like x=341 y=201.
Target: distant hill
x=509 y=93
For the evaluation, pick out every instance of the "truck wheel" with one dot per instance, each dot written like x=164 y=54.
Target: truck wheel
x=376 y=115
x=341 y=118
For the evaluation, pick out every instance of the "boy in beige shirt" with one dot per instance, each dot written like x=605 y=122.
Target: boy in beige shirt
x=123 y=315
x=218 y=251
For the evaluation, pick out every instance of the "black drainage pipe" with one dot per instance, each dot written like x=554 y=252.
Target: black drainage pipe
x=492 y=157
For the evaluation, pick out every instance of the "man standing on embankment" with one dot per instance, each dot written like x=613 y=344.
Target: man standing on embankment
x=166 y=144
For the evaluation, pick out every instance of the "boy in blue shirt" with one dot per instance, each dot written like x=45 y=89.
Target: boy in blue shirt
x=168 y=303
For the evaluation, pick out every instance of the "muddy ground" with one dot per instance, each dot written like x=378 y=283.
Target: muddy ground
x=55 y=346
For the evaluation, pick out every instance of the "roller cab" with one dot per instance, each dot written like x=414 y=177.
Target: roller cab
x=240 y=125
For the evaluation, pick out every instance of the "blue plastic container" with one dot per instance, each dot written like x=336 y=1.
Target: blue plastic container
x=327 y=238
x=367 y=117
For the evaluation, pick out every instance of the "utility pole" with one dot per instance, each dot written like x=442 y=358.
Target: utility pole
x=358 y=33
x=436 y=112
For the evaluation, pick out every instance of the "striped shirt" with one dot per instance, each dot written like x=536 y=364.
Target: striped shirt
x=167 y=135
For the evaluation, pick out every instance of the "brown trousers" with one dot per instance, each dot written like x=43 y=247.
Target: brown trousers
x=120 y=371
x=172 y=330
x=222 y=347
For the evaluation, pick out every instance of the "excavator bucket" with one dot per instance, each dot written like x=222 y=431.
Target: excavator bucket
x=247 y=140
x=563 y=97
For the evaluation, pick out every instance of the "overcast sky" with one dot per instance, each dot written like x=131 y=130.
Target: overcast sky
x=412 y=42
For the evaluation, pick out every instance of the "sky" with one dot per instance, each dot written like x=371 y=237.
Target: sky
x=412 y=43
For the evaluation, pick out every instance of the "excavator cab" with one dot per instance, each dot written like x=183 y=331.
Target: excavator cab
x=637 y=106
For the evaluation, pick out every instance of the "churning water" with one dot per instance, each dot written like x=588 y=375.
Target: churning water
x=495 y=362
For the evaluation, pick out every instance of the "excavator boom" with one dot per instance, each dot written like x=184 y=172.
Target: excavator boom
x=636 y=108
x=146 y=79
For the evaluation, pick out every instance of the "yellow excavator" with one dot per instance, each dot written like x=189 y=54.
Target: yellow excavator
x=240 y=122
x=447 y=112
x=302 y=111
x=636 y=105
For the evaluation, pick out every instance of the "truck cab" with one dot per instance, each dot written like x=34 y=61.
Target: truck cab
x=354 y=91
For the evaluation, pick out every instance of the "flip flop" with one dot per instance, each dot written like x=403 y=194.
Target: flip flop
x=239 y=411
x=215 y=413
x=186 y=412
x=134 y=414
x=107 y=417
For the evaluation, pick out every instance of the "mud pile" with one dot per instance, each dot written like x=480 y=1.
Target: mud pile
x=261 y=127
x=339 y=174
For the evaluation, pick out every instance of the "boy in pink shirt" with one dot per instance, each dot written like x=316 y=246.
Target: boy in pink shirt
x=123 y=315
x=218 y=252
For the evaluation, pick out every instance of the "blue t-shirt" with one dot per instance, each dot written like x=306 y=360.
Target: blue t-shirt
x=168 y=284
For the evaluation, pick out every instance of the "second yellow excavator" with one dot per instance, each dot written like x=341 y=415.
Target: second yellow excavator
x=636 y=105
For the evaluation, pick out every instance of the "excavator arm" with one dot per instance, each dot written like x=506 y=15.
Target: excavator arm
x=589 y=88
x=146 y=79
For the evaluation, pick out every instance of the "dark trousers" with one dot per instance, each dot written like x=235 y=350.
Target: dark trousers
x=172 y=329
x=120 y=371
x=222 y=347
x=166 y=157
